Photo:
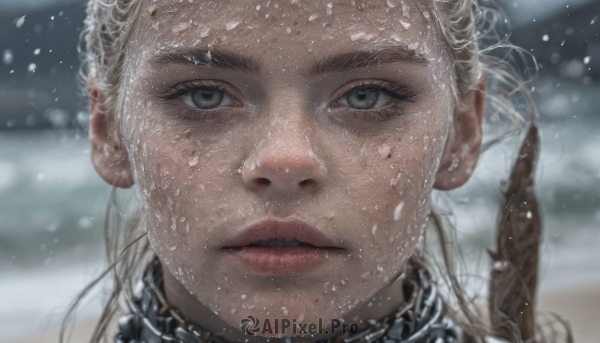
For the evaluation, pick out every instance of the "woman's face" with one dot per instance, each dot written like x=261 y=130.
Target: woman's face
x=285 y=151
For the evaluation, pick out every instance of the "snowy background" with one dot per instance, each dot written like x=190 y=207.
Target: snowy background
x=52 y=202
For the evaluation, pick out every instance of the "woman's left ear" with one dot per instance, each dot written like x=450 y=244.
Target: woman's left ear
x=464 y=144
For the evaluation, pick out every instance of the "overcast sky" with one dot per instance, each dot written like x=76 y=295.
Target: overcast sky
x=521 y=11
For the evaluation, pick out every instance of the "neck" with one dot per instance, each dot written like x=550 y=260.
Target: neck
x=200 y=315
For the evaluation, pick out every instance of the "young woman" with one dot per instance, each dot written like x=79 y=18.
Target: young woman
x=284 y=154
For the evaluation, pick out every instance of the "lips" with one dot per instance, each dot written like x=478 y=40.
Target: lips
x=281 y=247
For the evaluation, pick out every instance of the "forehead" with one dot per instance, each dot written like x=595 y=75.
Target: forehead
x=286 y=29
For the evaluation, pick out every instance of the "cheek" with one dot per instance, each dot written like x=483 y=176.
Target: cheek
x=392 y=180
x=187 y=186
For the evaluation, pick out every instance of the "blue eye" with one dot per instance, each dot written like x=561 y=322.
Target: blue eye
x=365 y=98
x=206 y=98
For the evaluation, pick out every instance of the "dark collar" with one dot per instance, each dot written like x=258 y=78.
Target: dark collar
x=422 y=320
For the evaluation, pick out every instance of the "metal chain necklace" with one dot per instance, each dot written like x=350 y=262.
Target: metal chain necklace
x=422 y=320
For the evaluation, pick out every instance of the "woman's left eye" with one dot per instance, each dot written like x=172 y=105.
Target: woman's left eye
x=364 y=98
x=206 y=98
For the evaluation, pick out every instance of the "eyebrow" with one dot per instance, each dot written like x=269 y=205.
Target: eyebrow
x=332 y=64
x=208 y=58
x=365 y=58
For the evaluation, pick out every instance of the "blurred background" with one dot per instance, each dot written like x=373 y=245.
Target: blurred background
x=52 y=202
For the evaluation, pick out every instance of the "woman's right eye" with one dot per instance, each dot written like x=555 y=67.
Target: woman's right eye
x=206 y=98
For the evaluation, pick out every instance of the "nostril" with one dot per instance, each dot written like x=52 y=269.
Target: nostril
x=308 y=183
x=261 y=181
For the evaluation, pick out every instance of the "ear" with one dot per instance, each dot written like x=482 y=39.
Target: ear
x=109 y=156
x=464 y=145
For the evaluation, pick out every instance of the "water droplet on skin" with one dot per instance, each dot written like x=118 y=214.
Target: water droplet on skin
x=398 y=211
x=333 y=288
x=313 y=17
x=545 y=38
x=288 y=29
x=180 y=27
x=529 y=214
x=173 y=248
x=284 y=311
x=373 y=230
x=405 y=10
x=413 y=46
x=329 y=9
x=32 y=67
x=152 y=10
x=204 y=33
x=243 y=296
x=232 y=25
x=391 y=3
x=361 y=36
x=36 y=51
x=404 y=24
x=193 y=161
x=384 y=151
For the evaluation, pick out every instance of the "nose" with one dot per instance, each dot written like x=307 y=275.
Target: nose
x=285 y=161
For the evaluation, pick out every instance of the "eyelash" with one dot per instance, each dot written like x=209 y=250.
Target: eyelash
x=393 y=90
x=183 y=88
x=180 y=90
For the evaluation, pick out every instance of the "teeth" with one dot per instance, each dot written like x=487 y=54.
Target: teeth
x=279 y=243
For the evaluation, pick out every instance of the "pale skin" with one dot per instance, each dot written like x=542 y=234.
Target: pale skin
x=361 y=176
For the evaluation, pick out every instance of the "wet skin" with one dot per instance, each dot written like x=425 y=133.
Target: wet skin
x=233 y=114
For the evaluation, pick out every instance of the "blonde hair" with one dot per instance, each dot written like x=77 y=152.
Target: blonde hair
x=469 y=32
